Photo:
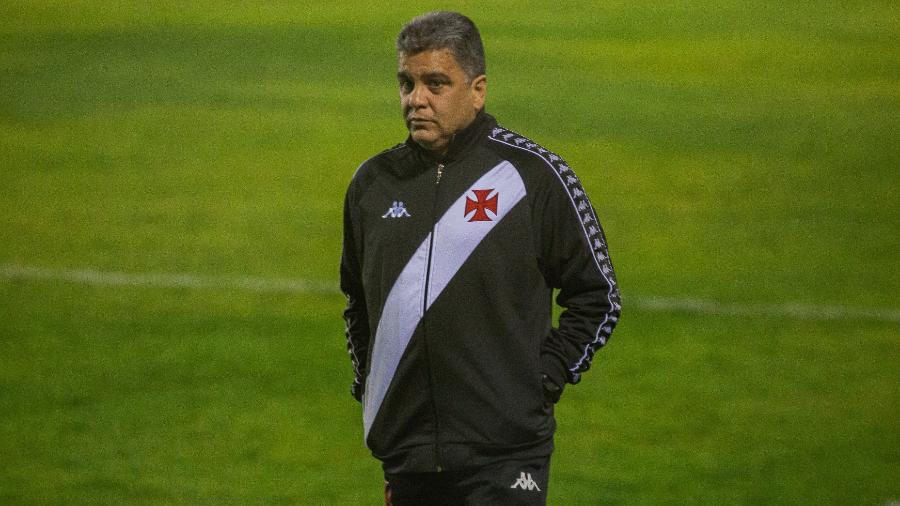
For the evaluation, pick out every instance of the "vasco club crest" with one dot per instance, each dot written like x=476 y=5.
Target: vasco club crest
x=481 y=204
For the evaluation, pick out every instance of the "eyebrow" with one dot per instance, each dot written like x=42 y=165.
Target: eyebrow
x=428 y=75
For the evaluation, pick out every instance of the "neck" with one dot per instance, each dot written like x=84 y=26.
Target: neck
x=436 y=155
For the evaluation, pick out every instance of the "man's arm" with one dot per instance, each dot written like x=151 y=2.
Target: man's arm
x=574 y=258
x=356 y=314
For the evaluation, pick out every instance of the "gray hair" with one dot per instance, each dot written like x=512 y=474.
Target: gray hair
x=445 y=30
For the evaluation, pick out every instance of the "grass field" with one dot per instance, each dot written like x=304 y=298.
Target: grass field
x=742 y=153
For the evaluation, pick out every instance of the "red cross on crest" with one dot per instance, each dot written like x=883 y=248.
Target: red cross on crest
x=481 y=204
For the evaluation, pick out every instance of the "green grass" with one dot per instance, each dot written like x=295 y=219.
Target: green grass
x=738 y=151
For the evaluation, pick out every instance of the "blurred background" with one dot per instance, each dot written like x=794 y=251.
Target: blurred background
x=171 y=186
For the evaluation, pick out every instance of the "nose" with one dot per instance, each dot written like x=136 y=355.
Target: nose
x=417 y=98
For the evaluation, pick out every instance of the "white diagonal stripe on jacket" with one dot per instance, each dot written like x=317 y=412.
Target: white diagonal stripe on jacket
x=455 y=238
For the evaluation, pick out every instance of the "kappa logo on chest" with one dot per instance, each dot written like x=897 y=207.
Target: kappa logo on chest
x=483 y=203
x=397 y=210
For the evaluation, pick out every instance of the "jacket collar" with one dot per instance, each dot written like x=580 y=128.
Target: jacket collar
x=460 y=142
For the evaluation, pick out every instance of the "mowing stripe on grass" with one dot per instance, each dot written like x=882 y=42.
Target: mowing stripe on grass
x=791 y=310
x=167 y=280
x=292 y=285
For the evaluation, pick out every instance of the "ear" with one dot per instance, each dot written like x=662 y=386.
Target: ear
x=479 y=91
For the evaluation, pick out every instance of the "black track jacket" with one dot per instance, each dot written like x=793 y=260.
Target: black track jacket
x=448 y=271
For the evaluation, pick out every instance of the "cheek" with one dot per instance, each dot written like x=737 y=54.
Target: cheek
x=453 y=110
x=443 y=107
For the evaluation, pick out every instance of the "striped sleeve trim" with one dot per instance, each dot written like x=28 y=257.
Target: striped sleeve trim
x=351 y=350
x=590 y=226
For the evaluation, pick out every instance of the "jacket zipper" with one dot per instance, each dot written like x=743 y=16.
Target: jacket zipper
x=437 y=448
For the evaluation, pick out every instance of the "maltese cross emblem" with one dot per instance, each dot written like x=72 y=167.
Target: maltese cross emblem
x=481 y=204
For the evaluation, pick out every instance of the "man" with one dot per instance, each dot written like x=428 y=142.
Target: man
x=453 y=243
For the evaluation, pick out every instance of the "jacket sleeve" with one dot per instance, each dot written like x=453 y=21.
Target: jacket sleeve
x=574 y=259
x=356 y=315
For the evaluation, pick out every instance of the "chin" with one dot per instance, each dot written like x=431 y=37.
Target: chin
x=424 y=139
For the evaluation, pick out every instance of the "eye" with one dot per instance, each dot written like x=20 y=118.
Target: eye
x=436 y=85
x=406 y=85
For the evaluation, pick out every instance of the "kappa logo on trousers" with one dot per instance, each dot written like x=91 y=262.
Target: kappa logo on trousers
x=525 y=482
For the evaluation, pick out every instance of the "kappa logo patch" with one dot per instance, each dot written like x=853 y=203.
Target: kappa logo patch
x=525 y=482
x=397 y=210
x=481 y=204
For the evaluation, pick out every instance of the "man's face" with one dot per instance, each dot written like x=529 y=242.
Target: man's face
x=437 y=98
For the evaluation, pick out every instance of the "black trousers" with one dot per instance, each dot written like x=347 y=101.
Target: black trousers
x=510 y=482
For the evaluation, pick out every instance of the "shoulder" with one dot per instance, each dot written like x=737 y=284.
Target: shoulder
x=386 y=160
x=533 y=160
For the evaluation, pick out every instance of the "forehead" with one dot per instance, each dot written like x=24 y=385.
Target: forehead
x=430 y=61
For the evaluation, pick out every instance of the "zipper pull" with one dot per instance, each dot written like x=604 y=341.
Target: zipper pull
x=440 y=170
